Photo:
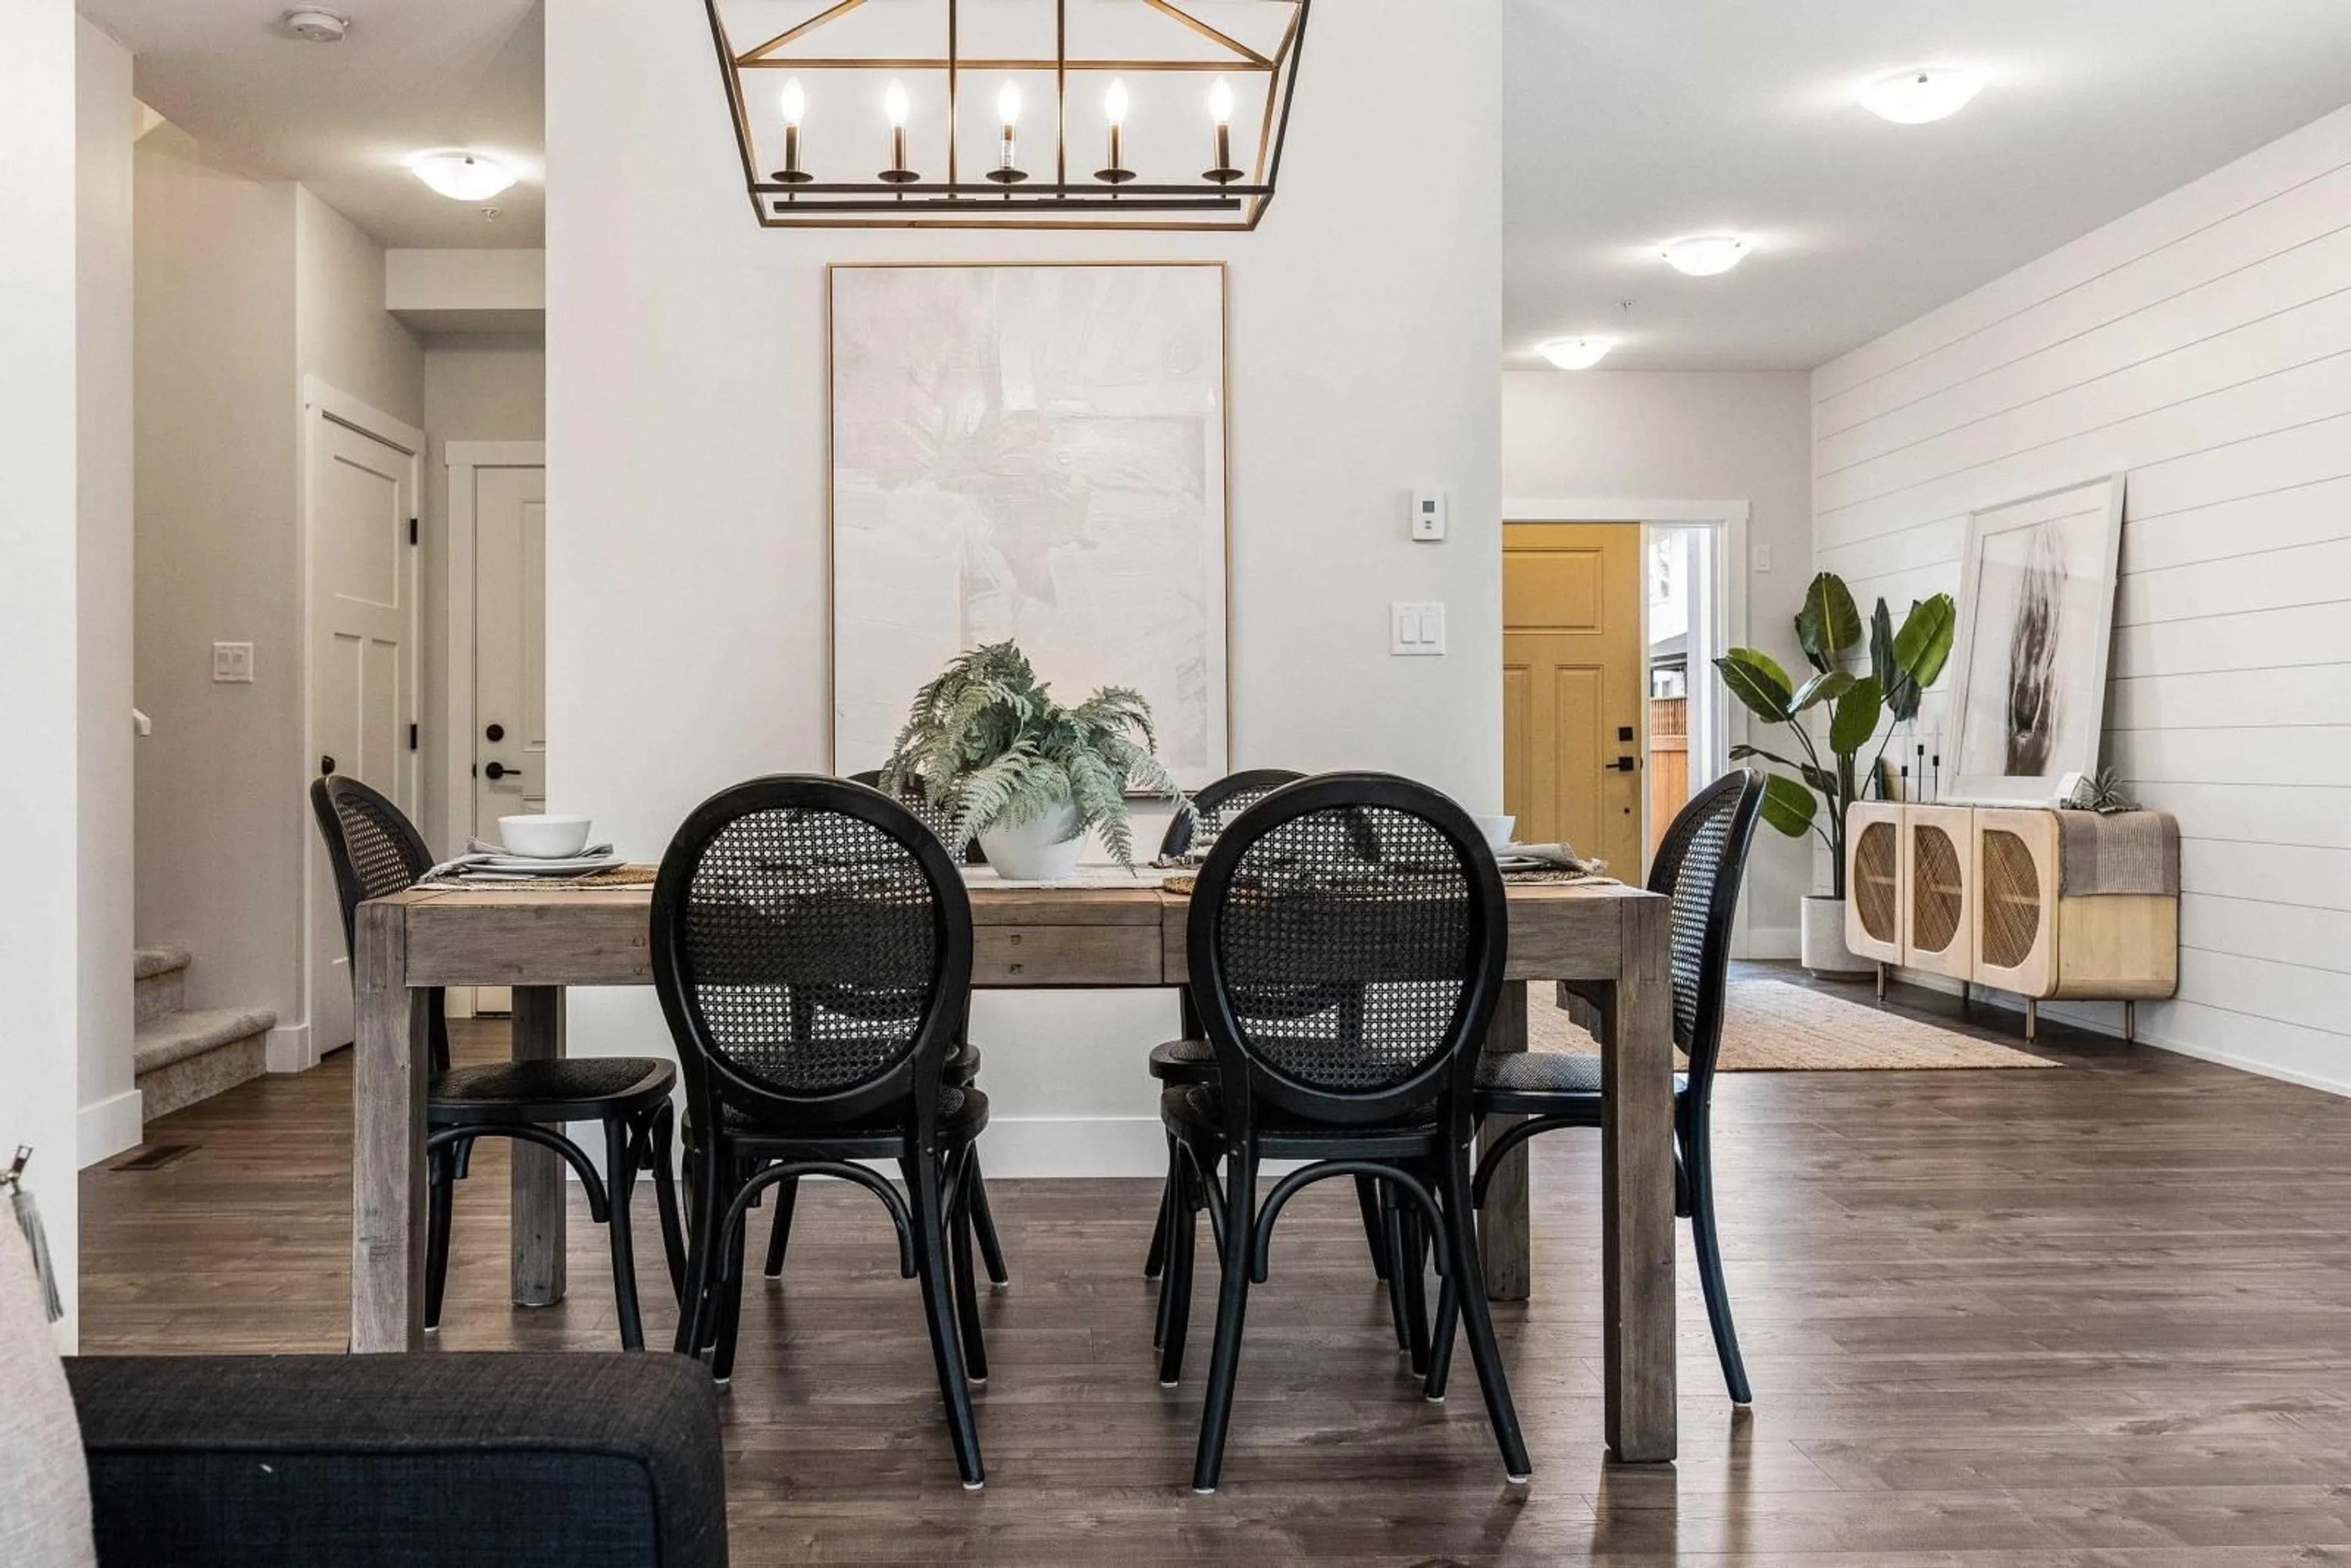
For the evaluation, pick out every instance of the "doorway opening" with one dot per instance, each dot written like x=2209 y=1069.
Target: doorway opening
x=1613 y=614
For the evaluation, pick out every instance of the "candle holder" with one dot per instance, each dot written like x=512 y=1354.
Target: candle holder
x=897 y=173
x=1117 y=173
x=791 y=173
x=1224 y=174
x=1007 y=172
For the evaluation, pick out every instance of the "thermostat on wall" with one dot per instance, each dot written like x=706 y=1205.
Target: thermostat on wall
x=1429 y=516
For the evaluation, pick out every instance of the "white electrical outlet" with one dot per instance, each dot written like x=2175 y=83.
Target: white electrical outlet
x=1416 y=630
x=1763 y=558
x=1429 y=511
x=232 y=663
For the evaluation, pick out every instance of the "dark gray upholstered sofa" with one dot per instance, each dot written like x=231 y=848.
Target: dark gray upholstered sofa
x=400 y=1461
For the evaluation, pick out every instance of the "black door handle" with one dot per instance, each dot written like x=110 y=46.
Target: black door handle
x=1625 y=765
x=496 y=732
x=500 y=770
x=325 y=765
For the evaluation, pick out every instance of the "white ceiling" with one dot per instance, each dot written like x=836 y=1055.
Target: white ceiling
x=341 y=117
x=1634 y=121
x=1629 y=121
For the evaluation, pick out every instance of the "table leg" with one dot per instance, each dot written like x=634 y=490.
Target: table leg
x=1503 y=1247
x=391 y=1060
x=1636 y=1194
x=538 y=1193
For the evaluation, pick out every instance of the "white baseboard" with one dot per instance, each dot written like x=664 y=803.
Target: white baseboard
x=287 y=1049
x=112 y=1125
x=1765 y=944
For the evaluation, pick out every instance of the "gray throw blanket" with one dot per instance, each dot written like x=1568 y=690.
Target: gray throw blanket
x=2123 y=853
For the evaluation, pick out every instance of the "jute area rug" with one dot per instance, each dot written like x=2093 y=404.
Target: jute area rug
x=1769 y=1026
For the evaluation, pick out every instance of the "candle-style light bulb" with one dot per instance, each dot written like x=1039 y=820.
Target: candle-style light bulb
x=1220 y=109
x=1008 y=153
x=896 y=105
x=793 y=101
x=1114 y=108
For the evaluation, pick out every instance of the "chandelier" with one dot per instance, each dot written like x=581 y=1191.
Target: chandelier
x=1143 y=114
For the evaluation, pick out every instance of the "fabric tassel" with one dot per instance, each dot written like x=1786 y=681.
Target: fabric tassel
x=36 y=1239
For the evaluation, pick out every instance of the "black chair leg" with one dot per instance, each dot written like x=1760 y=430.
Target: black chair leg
x=1367 y=1199
x=1485 y=1353
x=1175 y=1284
x=1699 y=1164
x=695 y=1311
x=620 y=1180
x=1413 y=1284
x=923 y=1183
x=440 y=1176
x=975 y=1344
x=780 y=1232
x=730 y=1298
x=657 y=1149
x=1155 y=1261
x=983 y=1227
x=1392 y=1244
x=1232 y=1308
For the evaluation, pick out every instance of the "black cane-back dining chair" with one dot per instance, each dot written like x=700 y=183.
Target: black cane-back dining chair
x=375 y=850
x=811 y=945
x=1699 y=865
x=962 y=1072
x=1346 y=942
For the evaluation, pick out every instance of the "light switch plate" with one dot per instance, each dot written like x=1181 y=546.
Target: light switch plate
x=232 y=663
x=1416 y=628
x=1428 y=509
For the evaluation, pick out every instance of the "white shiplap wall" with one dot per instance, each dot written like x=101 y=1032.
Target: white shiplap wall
x=2201 y=345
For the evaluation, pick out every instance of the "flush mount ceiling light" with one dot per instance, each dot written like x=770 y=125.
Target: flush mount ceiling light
x=460 y=175
x=315 y=25
x=1921 y=94
x=1577 y=353
x=1703 y=255
x=1140 y=114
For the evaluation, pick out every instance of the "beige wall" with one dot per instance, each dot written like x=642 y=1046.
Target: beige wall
x=105 y=112
x=1691 y=436
x=242 y=287
x=490 y=387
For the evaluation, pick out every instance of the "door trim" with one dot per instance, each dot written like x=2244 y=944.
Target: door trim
x=463 y=460
x=323 y=404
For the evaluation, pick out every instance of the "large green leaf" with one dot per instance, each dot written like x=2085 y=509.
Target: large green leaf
x=1788 y=805
x=1820 y=689
x=1901 y=691
x=1854 y=719
x=1829 y=625
x=1924 y=643
x=1756 y=679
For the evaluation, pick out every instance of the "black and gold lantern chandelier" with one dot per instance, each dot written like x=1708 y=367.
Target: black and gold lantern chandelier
x=1143 y=114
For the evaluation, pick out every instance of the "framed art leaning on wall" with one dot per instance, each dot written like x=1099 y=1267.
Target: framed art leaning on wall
x=2036 y=622
x=1033 y=453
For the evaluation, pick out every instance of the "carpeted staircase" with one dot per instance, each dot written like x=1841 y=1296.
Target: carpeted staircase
x=181 y=1057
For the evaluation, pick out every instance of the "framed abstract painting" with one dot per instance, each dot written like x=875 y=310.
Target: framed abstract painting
x=2037 y=623
x=1035 y=452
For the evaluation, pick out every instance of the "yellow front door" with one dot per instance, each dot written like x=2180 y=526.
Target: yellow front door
x=1572 y=687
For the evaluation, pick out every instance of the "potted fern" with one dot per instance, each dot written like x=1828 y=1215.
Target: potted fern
x=989 y=748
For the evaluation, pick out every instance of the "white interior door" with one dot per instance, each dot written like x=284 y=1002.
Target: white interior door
x=509 y=655
x=362 y=657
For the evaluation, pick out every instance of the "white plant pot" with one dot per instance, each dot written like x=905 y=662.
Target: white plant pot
x=1824 y=951
x=1044 y=849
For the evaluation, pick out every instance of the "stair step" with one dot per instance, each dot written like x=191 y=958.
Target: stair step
x=146 y=963
x=158 y=983
x=184 y=1056
x=183 y=1035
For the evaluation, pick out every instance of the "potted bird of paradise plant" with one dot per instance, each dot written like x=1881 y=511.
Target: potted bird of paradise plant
x=1826 y=777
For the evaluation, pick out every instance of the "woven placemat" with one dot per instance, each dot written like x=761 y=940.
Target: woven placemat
x=618 y=876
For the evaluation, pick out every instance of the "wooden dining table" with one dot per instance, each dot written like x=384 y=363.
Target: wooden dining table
x=1608 y=943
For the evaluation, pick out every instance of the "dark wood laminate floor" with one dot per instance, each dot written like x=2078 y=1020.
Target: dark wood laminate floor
x=2099 y=1318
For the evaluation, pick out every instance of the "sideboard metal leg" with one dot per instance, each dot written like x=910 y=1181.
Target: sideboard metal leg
x=2032 y=1019
x=2130 y=1023
x=1881 y=981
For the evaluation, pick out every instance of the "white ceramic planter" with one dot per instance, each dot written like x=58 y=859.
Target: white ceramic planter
x=1045 y=850
x=1824 y=952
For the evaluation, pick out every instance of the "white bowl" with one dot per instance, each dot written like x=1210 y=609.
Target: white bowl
x=544 y=837
x=1497 y=830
